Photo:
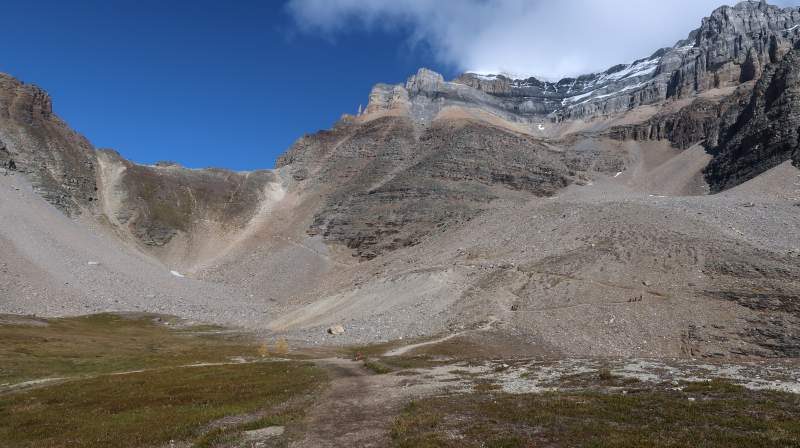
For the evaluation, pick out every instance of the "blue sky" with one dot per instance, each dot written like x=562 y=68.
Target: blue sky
x=203 y=83
x=234 y=84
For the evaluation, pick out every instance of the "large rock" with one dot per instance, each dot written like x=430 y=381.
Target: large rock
x=336 y=330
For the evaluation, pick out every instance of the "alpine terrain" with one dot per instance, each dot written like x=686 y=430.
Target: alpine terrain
x=648 y=211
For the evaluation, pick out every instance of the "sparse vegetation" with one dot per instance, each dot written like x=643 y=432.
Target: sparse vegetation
x=169 y=392
x=281 y=347
x=714 y=414
x=115 y=410
x=377 y=367
x=605 y=375
x=414 y=362
x=225 y=436
x=107 y=343
x=486 y=386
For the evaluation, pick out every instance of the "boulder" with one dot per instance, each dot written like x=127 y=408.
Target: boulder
x=336 y=330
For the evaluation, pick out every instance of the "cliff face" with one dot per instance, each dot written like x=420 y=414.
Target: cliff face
x=734 y=44
x=767 y=133
x=60 y=163
x=703 y=120
x=747 y=132
x=731 y=47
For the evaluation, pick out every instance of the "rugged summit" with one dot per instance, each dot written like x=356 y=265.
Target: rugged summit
x=732 y=46
x=570 y=217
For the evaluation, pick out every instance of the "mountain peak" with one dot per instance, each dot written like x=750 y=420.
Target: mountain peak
x=425 y=80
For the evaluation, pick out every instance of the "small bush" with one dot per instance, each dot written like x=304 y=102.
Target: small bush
x=606 y=375
x=377 y=367
x=282 y=347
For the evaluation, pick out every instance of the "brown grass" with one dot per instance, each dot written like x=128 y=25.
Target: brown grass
x=106 y=343
x=98 y=405
x=721 y=415
x=150 y=408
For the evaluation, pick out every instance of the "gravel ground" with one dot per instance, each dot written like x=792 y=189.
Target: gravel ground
x=601 y=269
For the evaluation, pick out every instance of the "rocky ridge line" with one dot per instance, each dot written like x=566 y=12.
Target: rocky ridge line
x=731 y=46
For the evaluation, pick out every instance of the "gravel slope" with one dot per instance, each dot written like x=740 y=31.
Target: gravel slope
x=602 y=269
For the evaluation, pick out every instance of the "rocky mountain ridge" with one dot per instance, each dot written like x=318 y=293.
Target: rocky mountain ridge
x=61 y=163
x=731 y=46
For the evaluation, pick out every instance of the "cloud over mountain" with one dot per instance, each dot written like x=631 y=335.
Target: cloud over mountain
x=538 y=37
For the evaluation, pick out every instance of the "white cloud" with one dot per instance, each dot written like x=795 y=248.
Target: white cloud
x=548 y=38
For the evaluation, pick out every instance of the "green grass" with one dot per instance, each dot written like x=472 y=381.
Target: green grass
x=721 y=415
x=106 y=343
x=152 y=408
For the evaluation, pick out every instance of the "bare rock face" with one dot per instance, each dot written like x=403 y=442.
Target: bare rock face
x=731 y=47
x=424 y=81
x=701 y=121
x=733 y=44
x=59 y=162
x=388 y=183
x=386 y=97
x=767 y=133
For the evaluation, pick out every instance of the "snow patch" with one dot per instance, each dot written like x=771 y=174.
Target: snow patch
x=643 y=68
x=177 y=274
x=576 y=98
x=514 y=76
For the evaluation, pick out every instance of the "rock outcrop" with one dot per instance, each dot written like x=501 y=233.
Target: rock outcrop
x=701 y=121
x=60 y=163
x=767 y=133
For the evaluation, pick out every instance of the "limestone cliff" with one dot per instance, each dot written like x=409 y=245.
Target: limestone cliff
x=767 y=133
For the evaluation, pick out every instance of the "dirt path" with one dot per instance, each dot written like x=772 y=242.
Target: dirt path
x=356 y=409
x=409 y=348
x=359 y=407
x=4 y=388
